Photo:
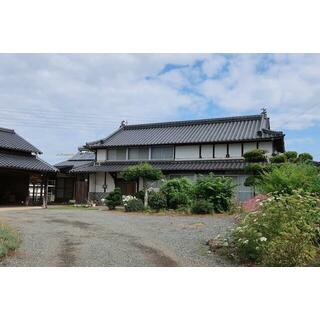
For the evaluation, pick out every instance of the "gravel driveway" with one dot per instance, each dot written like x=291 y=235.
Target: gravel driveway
x=97 y=238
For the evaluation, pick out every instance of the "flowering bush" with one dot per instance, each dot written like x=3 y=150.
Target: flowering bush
x=126 y=199
x=284 y=232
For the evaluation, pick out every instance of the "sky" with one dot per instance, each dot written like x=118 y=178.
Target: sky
x=61 y=101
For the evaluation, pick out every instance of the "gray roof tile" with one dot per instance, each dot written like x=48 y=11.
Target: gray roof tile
x=12 y=141
x=196 y=165
x=243 y=128
x=79 y=159
x=29 y=163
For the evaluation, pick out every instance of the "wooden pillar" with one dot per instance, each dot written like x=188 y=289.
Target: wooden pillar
x=45 y=196
x=27 y=198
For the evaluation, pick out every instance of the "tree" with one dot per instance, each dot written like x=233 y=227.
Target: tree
x=114 y=199
x=257 y=163
x=305 y=157
x=147 y=173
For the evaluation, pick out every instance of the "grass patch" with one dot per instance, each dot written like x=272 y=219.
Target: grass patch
x=9 y=240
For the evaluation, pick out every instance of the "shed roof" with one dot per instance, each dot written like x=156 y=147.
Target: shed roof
x=242 y=128
x=29 y=163
x=10 y=140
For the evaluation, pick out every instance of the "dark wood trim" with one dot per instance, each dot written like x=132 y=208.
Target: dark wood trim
x=200 y=151
x=257 y=144
x=242 y=149
x=228 y=154
x=174 y=152
x=213 y=151
x=105 y=183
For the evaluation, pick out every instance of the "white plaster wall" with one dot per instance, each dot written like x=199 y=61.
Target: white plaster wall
x=235 y=150
x=207 y=151
x=249 y=146
x=187 y=152
x=140 y=184
x=101 y=155
x=99 y=182
x=267 y=146
x=220 y=151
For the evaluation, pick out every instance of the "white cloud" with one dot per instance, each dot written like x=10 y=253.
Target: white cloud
x=288 y=85
x=79 y=97
x=213 y=65
x=62 y=101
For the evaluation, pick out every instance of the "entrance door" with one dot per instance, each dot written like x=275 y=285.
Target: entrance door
x=82 y=188
x=127 y=188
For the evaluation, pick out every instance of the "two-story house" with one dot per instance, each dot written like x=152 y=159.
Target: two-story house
x=180 y=148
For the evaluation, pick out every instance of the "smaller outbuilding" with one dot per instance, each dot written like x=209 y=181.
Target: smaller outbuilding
x=70 y=186
x=24 y=177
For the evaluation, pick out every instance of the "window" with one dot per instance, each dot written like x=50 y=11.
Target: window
x=207 y=151
x=187 y=152
x=235 y=150
x=101 y=155
x=139 y=154
x=162 y=153
x=220 y=151
x=117 y=154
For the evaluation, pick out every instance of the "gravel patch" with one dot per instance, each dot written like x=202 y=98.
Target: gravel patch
x=96 y=238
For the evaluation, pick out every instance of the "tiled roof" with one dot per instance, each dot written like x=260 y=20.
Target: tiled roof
x=71 y=164
x=12 y=141
x=79 y=159
x=29 y=163
x=243 y=128
x=195 y=165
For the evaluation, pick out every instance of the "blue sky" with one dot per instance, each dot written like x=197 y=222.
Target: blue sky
x=61 y=101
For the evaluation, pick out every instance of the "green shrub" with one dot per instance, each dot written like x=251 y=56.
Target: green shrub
x=114 y=199
x=291 y=248
x=178 y=192
x=305 y=157
x=9 y=240
x=284 y=232
x=256 y=155
x=279 y=158
x=289 y=177
x=140 y=195
x=217 y=190
x=201 y=207
x=291 y=156
x=134 y=205
x=157 y=201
